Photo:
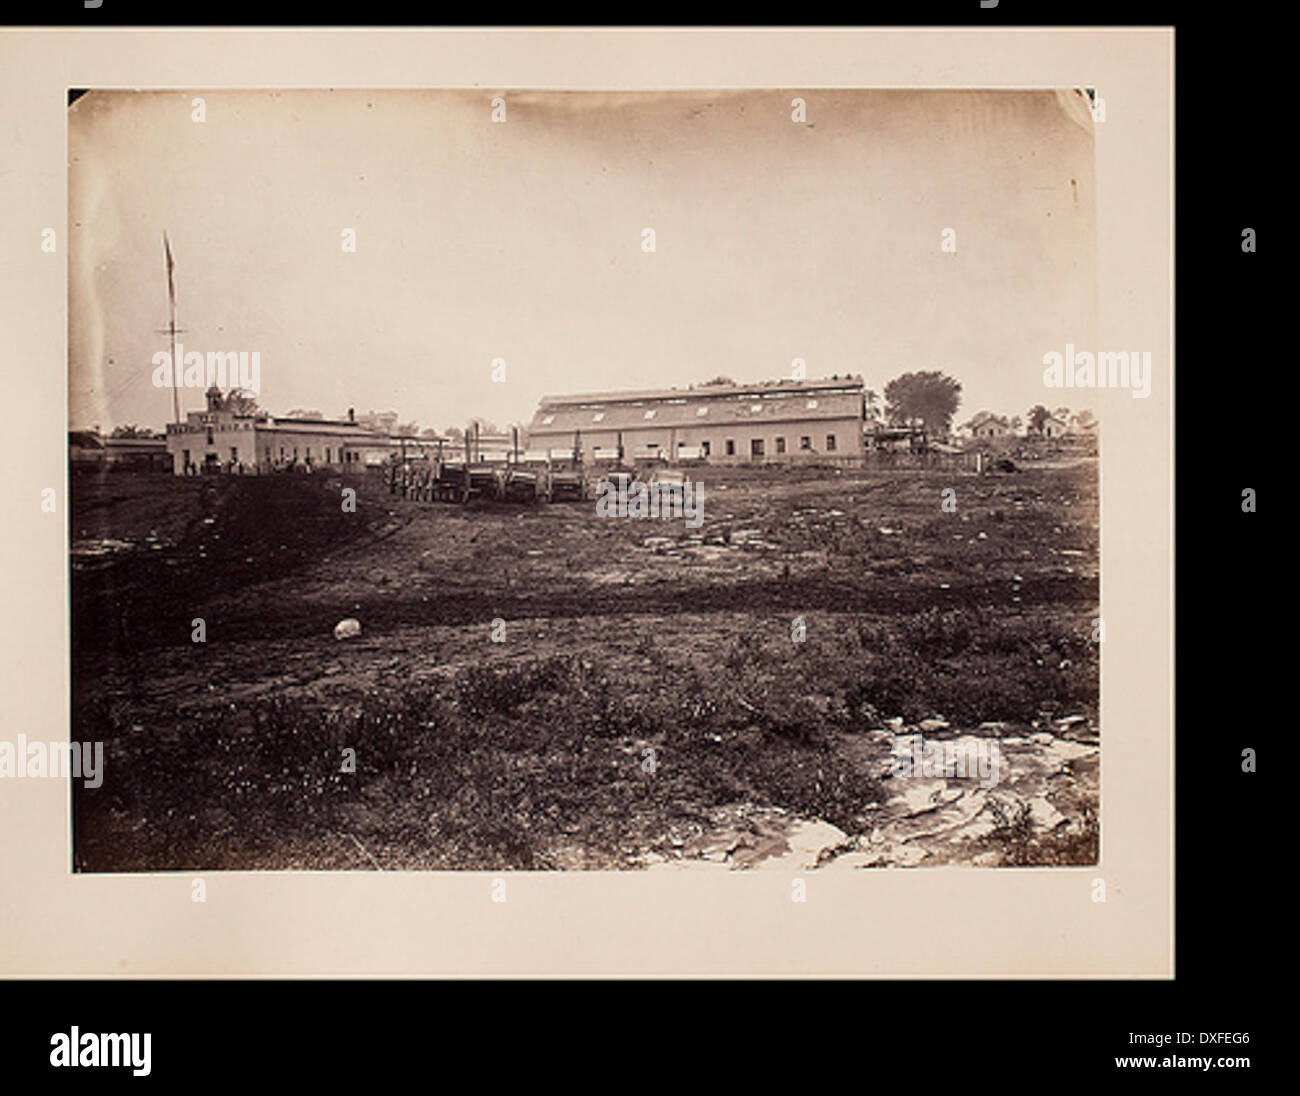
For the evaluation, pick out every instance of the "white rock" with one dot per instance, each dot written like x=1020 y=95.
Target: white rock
x=919 y=796
x=346 y=629
x=906 y=856
x=851 y=861
x=1044 y=815
x=806 y=839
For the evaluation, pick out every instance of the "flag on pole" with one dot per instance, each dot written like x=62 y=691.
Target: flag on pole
x=171 y=327
x=171 y=266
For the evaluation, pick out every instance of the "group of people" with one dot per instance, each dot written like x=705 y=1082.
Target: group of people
x=239 y=468
x=229 y=468
x=416 y=481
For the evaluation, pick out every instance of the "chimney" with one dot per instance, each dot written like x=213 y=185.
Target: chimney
x=352 y=414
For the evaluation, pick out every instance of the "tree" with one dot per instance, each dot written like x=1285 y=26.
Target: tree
x=1016 y=423
x=406 y=429
x=716 y=382
x=1083 y=420
x=299 y=413
x=429 y=432
x=929 y=397
x=1038 y=415
x=130 y=431
x=378 y=422
x=455 y=433
x=241 y=403
x=870 y=400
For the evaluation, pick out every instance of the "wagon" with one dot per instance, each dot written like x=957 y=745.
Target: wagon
x=486 y=481
x=528 y=481
x=452 y=482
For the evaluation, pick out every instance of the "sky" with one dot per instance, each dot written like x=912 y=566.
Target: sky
x=522 y=240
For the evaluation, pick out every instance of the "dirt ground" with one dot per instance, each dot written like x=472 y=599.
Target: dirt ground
x=537 y=687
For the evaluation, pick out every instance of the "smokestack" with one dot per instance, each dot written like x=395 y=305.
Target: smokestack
x=352 y=414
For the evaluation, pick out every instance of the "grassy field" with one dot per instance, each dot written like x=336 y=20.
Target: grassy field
x=647 y=683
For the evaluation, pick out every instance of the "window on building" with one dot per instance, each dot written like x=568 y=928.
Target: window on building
x=547 y=420
x=209 y=435
x=234 y=453
x=755 y=408
x=268 y=454
x=599 y=416
x=805 y=442
x=704 y=448
x=327 y=454
x=650 y=414
x=295 y=452
x=811 y=405
x=282 y=452
x=185 y=458
x=780 y=445
x=700 y=412
x=731 y=447
x=756 y=447
x=830 y=443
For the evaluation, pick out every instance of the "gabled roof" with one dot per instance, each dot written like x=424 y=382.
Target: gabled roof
x=703 y=407
x=825 y=384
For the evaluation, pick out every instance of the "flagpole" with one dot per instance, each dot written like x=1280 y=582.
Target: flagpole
x=171 y=298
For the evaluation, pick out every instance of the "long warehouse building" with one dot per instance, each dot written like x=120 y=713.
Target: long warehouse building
x=784 y=421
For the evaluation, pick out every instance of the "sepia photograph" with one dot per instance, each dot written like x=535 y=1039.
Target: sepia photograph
x=555 y=481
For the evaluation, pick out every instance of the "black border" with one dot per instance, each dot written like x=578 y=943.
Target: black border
x=1048 y=1032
